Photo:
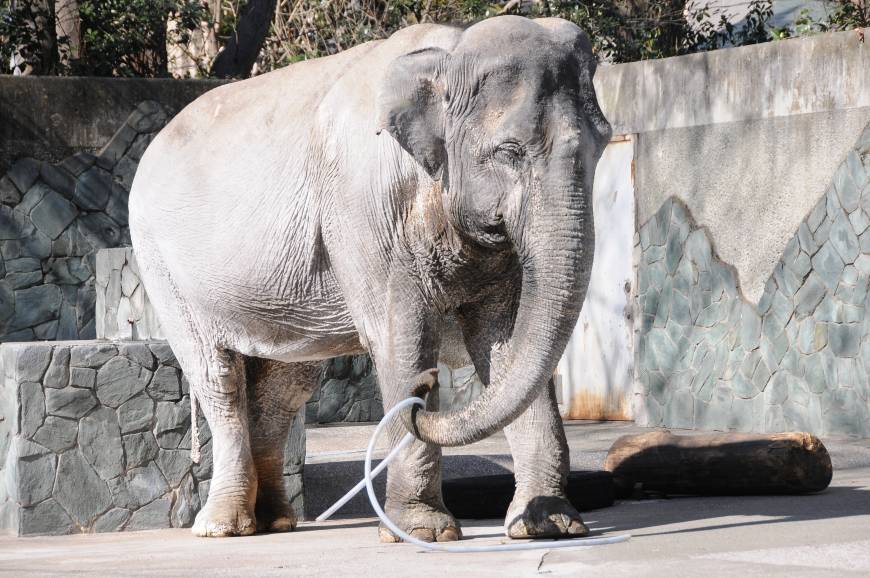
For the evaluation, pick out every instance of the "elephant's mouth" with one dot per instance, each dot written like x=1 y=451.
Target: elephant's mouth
x=493 y=234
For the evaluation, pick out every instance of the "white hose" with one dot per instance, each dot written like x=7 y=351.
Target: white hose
x=440 y=546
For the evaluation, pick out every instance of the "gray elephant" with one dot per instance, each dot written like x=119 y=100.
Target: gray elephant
x=361 y=202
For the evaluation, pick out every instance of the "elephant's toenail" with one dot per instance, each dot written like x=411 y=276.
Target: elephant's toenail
x=387 y=537
x=425 y=534
x=449 y=534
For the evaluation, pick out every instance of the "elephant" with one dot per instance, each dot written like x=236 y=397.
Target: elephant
x=420 y=197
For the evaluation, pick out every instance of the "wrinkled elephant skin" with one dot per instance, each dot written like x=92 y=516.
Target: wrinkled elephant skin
x=415 y=197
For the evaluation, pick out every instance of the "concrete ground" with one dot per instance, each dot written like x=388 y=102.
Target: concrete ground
x=826 y=534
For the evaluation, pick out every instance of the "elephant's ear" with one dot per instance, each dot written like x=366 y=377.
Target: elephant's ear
x=411 y=105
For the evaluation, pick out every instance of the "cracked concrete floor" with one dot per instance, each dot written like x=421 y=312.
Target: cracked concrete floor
x=826 y=534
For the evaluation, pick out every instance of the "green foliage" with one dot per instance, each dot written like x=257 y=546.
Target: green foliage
x=21 y=25
x=304 y=29
x=840 y=15
x=624 y=32
x=128 y=37
x=118 y=37
x=621 y=31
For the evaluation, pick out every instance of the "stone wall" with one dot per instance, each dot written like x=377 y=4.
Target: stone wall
x=123 y=308
x=52 y=118
x=53 y=219
x=96 y=438
x=799 y=360
x=748 y=137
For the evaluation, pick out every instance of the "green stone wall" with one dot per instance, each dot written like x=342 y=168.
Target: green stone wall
x=799 y=360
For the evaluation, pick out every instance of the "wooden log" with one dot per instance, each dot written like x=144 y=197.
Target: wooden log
x=487 y=497
x=719 y=464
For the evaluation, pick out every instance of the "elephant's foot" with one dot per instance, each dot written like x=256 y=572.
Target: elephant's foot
x=422 y=522
x=222 y=518
x=275 y=515
x=543 y=517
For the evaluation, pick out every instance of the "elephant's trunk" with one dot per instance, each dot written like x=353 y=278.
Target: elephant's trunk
x=555 y=244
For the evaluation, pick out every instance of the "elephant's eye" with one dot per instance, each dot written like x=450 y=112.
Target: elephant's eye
x=509 y=152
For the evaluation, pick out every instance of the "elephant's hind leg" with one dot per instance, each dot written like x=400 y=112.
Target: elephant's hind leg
x=220 y=391
x=217 y=380
x=276 y=391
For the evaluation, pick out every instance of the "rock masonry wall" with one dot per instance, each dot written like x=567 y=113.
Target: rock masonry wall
x=96 y=437
x=123 y=309
x=799 y=360
x=53 y=219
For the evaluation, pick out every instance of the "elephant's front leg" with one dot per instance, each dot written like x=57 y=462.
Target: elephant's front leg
x=406 y=348
x=540 y=508
x=414 y=500
x=220 y=391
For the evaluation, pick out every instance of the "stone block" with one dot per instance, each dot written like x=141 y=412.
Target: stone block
x=174 y=464
x=848 y=192
x=34 y=306
x=123 y=309
x=93 y=189
x=99 y=441
x=100 y=230
x=165 y=385
x=680 y=412
x=57 y=375
x=139 y=486
x=69 y=402
x=140 y=448
x=136 y=414
x=45 y=518
x=112 y=521
x=92 y=355
x=140 y=353
x=845 y=339
x=24 y=173
x=30 y=472
x=53 y=214
x=843 y=239
x=119 y=380
x=83 y=377
x=31 y=399
x=809 y=295
x=9 y=193
x=87 y=466
x=78 y=163
x=186 y=505
x=57 y=433
x=79 y=489
x=58 y=179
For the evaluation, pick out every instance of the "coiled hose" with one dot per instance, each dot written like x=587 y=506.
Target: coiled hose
x=370 y=474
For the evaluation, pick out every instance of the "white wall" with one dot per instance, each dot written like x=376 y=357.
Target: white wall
x=594 y=375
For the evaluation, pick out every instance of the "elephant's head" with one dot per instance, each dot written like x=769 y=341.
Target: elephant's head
x=508 y=121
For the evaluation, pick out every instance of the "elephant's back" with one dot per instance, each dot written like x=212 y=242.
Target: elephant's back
x=235 y=131
x=232 y=190
x=257 y=133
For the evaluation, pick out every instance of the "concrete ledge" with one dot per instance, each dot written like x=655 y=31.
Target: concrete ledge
x=50 y=118
x=817 y=74
x=96 y=438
